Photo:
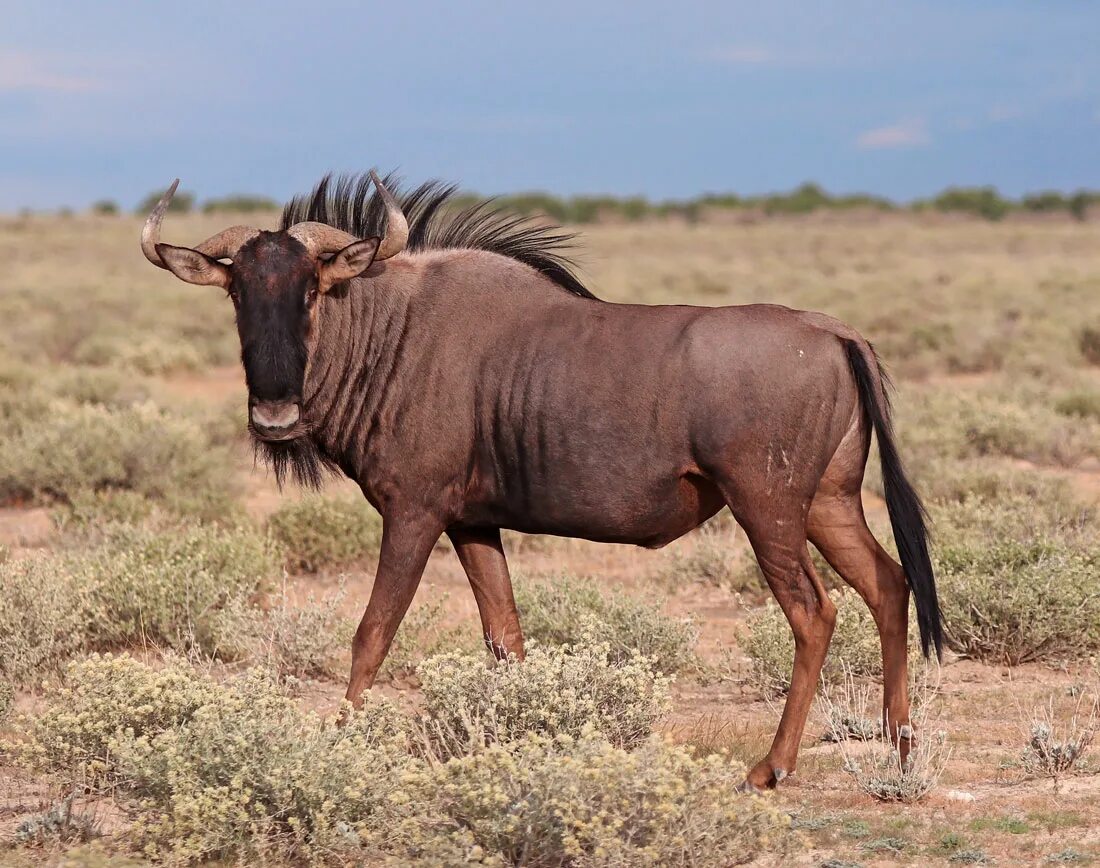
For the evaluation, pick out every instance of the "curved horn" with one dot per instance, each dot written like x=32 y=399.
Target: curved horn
x=150 y=232
x=226 y=243
x=397 y=227
x=320 y=238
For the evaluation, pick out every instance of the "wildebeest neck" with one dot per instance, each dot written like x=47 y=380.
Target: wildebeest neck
x=352 y=351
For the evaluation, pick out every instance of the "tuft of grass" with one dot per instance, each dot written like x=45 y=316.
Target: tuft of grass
x=564 y=610
x=1055 y=748
x=876 y=766
x=322 y=532
x=969 y=857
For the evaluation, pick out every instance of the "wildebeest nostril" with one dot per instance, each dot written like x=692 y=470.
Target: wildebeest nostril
x=271 y=415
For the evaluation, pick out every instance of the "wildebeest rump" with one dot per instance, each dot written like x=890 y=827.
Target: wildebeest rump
x=458 y=371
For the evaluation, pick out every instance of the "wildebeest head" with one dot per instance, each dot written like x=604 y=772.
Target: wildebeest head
x=274 y=280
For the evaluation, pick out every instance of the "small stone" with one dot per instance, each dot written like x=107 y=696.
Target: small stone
x=959 y=796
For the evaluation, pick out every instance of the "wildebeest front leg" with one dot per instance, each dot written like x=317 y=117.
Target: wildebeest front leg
x=482 y=556
x=406 y=545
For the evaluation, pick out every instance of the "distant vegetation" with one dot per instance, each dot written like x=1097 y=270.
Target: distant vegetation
x=983 y=202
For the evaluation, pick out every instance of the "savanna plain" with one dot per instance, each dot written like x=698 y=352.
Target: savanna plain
x=174 y=631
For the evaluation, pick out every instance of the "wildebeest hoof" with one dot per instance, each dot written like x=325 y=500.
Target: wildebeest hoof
x=750 y=788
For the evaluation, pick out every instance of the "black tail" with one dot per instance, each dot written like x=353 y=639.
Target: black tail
x=906 y=512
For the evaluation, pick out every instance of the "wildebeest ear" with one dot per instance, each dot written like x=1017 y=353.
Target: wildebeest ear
x=193 y=267
x=350 y=262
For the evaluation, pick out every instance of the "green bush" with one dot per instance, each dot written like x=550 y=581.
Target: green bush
x=171 y=587
x=69 y=449
x=557 y=690
x=240 y=203
x=566 y=610
x=42 y=618
x=422 y=635
x=288 y=640
x=855 y=648
x=181 y=203
x=320 y=532
x=545 y=801
x=220 y=770
x=713 y=559
x=978 y=201
x=237 y=771
x=1017 y=578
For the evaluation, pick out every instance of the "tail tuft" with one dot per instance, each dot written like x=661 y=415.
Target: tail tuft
x=907 y=516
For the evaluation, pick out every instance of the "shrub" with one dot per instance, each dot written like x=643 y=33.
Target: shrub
x=7 y=699
x=1088 y=342
x=714 y=560
x=1017 y=579
x=170 y=587
x=321 y=532
x=41 y=618
x=1082 y=404
x=240 y=203
x=102 y=700
x=75 y=448
x=564 y=610
x=546 y=801
x=556 y=691
x=855 y=645
x=227 y=770
x=145 y=356
x=289 y=640
x=57 y=824
x=420 y=636
x=238 y=771
x=978 y=201
x=181 y=203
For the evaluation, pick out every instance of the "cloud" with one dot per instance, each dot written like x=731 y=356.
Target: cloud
x=21 y=71
x=742 y=55
x=908 y=133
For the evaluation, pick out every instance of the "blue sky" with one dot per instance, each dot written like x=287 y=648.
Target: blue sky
x=113 y=99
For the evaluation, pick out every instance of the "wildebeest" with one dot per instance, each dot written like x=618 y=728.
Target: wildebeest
x=453 y=365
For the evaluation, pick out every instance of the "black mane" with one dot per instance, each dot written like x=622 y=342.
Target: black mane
x=350 y=203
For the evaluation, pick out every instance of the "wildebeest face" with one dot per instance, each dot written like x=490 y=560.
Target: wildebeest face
x=274 y=281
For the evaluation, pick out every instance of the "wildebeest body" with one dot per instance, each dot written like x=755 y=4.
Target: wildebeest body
x=467 y=381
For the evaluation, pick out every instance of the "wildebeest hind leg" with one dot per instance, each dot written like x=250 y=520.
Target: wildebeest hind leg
x=406 y=546
x=779 y=541
x=482 y=557
x=839 y=530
